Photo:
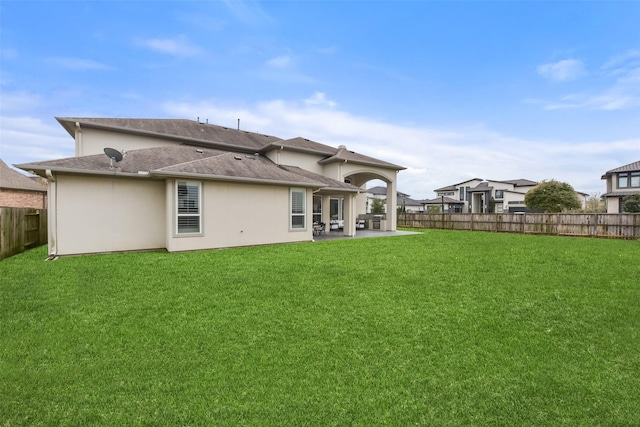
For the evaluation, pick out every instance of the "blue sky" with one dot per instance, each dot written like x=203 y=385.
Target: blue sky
x=450 y=90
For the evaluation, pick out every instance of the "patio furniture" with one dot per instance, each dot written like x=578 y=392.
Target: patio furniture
x=319 y=229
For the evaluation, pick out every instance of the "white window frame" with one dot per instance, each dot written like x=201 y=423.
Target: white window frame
x=297 y=214
x=179 y=215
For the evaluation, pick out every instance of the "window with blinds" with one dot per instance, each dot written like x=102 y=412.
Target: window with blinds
x=298 y=208
x=188 y=210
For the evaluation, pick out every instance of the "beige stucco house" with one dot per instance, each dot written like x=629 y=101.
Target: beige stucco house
x=186 y=185
x=622 y=181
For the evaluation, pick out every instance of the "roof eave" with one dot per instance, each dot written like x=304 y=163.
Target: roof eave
x=390 y=166
x=111 y=172
x=69 y=125
x=240 y=179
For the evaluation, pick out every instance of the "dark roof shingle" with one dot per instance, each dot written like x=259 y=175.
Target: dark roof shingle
x=14 y=180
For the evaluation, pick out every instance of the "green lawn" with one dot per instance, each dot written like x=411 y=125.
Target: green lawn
x=440 y=328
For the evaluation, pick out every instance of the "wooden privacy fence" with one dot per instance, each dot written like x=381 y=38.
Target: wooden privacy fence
x=616 y=226
x=20 y=229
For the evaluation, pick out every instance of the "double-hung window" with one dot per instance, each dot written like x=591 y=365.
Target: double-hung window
x=188 y=207
x=298 y=211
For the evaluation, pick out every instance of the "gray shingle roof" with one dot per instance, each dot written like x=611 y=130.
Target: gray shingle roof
x=515 y=182
x=382 y=191
x=520 y=182
x=306 y=145
x=351 y=156
x=238 y=166
x=329 y=184
x=631 y=167
x=14 y=180
x=210 y=135
x=438 y=200
x=176 y=129
x=621 y=193
x=187 y=160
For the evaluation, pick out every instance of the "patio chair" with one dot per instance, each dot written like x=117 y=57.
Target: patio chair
x=319 y=229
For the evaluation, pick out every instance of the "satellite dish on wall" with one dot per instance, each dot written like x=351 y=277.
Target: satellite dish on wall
x=113 y=154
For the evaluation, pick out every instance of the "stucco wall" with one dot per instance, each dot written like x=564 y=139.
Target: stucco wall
x=239 y=215
x=292 y=158
x=108 y=214
x=23 y=199
x=93 y=141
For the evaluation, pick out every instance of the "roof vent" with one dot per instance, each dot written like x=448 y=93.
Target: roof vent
x=237 y=157
x=198 y=150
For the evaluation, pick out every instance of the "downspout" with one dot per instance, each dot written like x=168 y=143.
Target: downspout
x=78 y=139
x=278 y=155
x=52 y=217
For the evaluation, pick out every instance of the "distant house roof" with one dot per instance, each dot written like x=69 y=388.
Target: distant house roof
x=382 y=191
x=515 y=182
x=214 y=136
x=408 y=201
x=483 y=186
x=439 y=200
x=14 y=180
x=520 y=182
x=631 y=167
x=191 y=161
x=621 y=193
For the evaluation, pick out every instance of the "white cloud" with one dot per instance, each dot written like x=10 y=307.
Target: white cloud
x=623 y=61
x=621 y=77
x=284 y=61
x=177 y=46
x=78 y=64
x=14 y=101
x=248 y=12
x=433 y=157
x=319 y=98
x=562 y=71
x=28 y=139
x=284 y=69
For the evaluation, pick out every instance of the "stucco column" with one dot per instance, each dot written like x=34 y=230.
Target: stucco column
x=392 y=204
x=170 y=214
x=326 y=210
x=349 y=215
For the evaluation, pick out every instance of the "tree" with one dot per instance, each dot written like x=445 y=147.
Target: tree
x=552 y=196
x=491 y=205
x=377 y=206
x=631 y=204
x=595 y=204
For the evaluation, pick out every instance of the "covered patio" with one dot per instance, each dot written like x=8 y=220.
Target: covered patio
x=360 y=234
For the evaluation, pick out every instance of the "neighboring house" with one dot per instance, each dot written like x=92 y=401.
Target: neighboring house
x=404 y=201
x=444 y=204
x=483 y=196
x=622 y=181
x=186 y=185
x=20 y=191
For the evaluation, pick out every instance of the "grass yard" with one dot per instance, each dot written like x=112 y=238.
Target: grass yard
x=441 y=328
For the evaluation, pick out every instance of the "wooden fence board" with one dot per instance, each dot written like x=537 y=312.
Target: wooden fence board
x=20 y=229
x=618 y=226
